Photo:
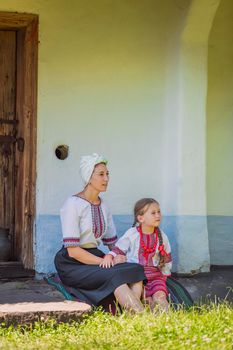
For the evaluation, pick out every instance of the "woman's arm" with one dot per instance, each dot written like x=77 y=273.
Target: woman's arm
x=83 y=256
x=110 y=237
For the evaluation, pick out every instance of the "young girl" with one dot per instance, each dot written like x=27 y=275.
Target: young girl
x=146 y=244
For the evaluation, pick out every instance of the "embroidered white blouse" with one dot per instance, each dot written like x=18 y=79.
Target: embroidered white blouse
x=85 y=224
x=129 y=245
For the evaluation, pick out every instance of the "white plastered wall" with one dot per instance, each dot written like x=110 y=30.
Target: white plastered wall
x=190 y=114
x=127 y=79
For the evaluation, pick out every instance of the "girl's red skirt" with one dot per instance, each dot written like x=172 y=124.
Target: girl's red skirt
x=156 y=281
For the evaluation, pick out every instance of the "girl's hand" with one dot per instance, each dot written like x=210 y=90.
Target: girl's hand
x=107 y=261
x=119 y=259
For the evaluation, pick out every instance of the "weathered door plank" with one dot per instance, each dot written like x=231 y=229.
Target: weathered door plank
x=7 y=128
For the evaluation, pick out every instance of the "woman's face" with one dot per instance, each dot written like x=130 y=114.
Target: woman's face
x=100 y=177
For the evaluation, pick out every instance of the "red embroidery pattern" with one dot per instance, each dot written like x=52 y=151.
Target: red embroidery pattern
x=71 y=242
x=109 y=240
x=98 y=223
x=118 y=251
x=148 y=250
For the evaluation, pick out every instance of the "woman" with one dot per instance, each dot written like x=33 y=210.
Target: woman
x=86 y=222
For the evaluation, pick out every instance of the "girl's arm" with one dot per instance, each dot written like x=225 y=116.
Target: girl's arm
x=122 y=246
x=167 y=266
x=83 y=256
x=119 y=259
x=117 y=252
x=110 y=246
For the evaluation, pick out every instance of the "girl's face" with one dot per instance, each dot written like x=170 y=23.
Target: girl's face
x=100 y=177
x=151 y=217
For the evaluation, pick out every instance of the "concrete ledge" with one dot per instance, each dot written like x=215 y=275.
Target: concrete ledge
x=28 y=313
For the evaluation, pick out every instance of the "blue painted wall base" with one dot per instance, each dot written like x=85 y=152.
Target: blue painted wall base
x=220 y=230
x=193 y=249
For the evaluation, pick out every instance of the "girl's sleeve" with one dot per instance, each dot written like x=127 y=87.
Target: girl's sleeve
x=122 y=246
x=166 y=269
x=110 y=236
x=70 y=222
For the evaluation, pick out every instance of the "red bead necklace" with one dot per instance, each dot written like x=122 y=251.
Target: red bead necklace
x=145 y=248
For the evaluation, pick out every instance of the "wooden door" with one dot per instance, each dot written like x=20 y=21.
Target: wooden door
x=18 y=114
x=8 y=132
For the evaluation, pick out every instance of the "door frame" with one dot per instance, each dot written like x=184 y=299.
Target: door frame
x=26 y=26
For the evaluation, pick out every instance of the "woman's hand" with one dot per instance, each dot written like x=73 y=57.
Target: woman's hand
x=119 y=259
x=107 y=261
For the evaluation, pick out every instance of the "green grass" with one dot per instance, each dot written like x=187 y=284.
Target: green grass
x=205 y=327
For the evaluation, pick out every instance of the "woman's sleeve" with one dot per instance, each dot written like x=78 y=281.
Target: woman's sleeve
x=166 y=269
x=110 y=236
x=70 y=221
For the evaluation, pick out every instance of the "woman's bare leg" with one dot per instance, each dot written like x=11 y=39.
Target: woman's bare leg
x=160 y=299
x=127 y=298
x=137 y=289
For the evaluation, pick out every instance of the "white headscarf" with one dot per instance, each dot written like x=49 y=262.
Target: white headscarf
x=87 y=165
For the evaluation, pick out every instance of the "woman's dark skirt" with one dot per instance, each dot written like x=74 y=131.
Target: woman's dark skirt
x=94 y=283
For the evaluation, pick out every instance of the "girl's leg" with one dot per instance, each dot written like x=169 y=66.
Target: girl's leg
x=149 y=301
x=127 y=299
x=160 y=299
x=137 y=289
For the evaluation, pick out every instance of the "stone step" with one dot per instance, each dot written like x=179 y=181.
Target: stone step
x=29 y=313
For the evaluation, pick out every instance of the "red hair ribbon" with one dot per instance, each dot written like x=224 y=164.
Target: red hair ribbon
x=162 y=250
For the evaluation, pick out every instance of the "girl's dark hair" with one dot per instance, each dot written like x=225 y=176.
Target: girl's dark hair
x=140 y=208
